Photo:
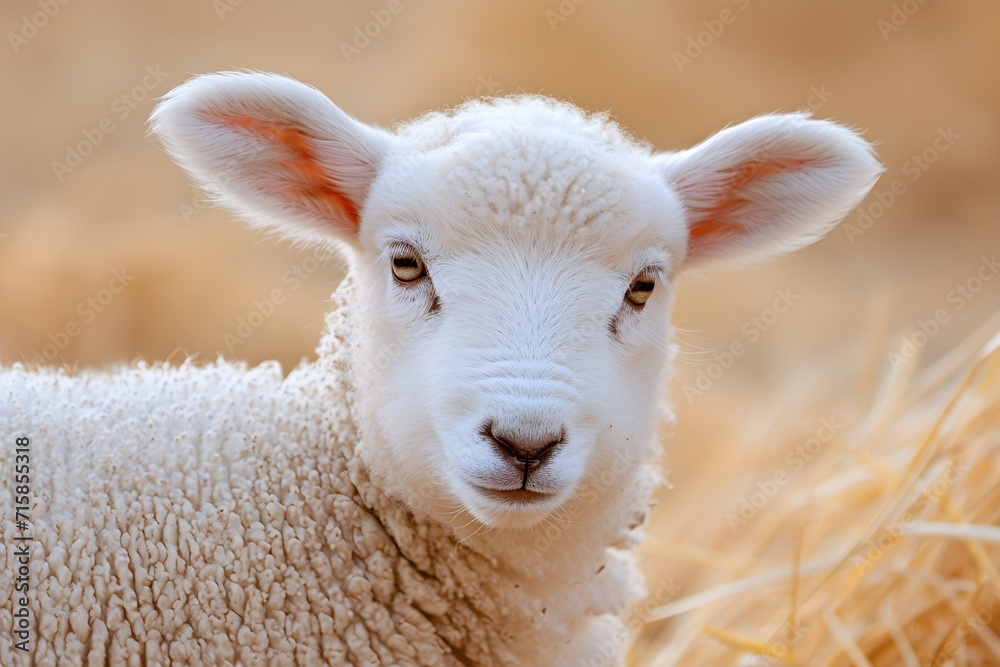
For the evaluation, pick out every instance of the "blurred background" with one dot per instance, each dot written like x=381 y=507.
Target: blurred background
x=107 y=254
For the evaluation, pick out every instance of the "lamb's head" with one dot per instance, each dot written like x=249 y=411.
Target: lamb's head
x=515 y=262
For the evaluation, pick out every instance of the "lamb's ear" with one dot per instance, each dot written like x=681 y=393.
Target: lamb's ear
x=770 y=185
x=275 y=151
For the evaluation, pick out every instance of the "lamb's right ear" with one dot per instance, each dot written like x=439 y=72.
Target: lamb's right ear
x=277 y=152
x=768 y=186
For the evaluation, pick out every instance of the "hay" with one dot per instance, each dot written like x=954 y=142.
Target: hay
x=883 y=551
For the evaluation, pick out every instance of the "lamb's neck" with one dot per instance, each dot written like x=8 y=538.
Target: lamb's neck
x=537 y=597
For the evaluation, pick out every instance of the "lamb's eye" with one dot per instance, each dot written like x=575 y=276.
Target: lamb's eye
x=640 y=290
x=407 y=266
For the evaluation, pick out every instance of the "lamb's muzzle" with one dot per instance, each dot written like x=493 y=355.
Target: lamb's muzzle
x=458 y=478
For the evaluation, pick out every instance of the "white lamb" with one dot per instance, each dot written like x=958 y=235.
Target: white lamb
x=457 y=479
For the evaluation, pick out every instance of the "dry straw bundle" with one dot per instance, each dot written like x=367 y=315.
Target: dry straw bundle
x=883 y=551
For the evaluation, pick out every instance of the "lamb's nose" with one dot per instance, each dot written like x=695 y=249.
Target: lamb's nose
x=530 y=449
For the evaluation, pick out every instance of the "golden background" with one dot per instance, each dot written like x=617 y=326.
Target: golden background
x=919 y=79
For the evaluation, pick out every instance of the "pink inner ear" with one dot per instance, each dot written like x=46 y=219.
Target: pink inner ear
x=308 y=187
x=716 y=220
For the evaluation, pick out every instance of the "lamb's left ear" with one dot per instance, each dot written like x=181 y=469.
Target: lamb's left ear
x=769 y=185
x=277 y=152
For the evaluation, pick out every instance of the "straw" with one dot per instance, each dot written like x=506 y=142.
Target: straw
x=884 y=551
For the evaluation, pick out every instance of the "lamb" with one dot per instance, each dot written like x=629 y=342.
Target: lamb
x=459 y=476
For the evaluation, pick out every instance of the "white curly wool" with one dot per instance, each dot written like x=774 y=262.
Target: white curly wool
x=214 y=515
x=459 y=476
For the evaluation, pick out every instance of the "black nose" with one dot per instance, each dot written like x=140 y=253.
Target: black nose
x=528 y=449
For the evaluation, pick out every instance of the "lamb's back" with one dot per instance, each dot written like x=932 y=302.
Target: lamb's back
x=198 y=515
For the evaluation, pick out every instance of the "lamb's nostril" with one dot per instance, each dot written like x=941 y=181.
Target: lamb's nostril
x=532 y=449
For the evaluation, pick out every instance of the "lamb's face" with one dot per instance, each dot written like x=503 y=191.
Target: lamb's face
x=516 y=326
x=515 y=262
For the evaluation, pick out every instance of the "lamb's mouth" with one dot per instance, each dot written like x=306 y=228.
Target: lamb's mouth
x=514 y=496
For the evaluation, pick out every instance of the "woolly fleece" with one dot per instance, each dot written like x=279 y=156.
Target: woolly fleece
x=216 y=515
